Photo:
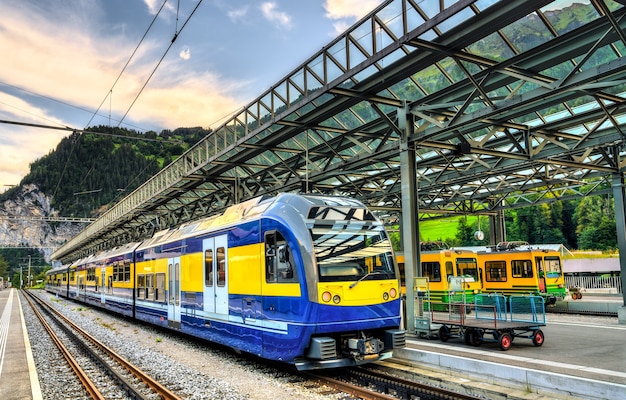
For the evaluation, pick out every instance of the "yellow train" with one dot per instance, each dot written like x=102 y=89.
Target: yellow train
x=519 y=268
x=507 y=268
x=453 y=274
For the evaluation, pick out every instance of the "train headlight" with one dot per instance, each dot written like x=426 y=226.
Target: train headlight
x=475 y=291
x=336 y=299
x=385 y=296
x=560 y=286
x=326 y=296
x=393 y=293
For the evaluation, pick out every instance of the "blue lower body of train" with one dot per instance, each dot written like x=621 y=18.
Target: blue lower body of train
x=305 y=334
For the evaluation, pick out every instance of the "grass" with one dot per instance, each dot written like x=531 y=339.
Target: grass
x=443 y=228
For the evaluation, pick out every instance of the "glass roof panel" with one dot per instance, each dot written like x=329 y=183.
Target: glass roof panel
x=492 y=47
x=528 y=32
x=565 y=15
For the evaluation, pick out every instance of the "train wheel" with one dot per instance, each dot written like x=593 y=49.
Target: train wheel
x=444 y=333
x=505 y=341
x=538 y=337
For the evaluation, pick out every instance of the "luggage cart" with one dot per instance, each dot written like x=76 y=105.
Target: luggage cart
x=423 y=323
x=496 y=319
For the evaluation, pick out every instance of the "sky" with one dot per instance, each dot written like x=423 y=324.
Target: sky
x=63 y=63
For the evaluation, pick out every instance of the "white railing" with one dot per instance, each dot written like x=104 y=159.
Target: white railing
x=610 y=284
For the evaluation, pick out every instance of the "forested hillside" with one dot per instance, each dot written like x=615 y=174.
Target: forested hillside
x=90 y=170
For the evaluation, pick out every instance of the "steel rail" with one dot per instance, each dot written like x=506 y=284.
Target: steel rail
x=89 y=386
x=161 y=390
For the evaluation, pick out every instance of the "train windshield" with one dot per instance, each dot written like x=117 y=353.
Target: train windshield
x=353 y=248
x=552 y=266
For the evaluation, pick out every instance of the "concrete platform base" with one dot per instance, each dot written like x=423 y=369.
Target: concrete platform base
x=621 y=315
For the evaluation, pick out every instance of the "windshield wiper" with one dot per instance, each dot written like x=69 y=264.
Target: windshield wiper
x=365 y=276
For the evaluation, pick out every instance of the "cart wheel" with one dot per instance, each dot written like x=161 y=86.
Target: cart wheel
x=477 y=338
x=538 y=337
x=505 y=341
x=468 y=335
x=444 y=333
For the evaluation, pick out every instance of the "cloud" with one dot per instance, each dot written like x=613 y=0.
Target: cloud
x=351 y=9
x=73 y=65
x=271 y=13
x=237 y=14
x=21 y=145
x=155 y=5
x=185 y=53
x=346 y=12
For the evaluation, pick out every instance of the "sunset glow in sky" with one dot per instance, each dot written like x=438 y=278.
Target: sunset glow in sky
x=61 y=60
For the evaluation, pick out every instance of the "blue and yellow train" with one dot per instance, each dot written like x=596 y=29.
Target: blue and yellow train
x=306 y=280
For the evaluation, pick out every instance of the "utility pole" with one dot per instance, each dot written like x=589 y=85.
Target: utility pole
x=29 y=279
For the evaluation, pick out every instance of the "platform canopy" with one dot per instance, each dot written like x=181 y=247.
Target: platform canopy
x=510 y=103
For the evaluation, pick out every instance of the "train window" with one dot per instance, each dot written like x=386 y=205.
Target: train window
x=127 y=271
x=467 y=266
x=208 y=267
x=141 y=285
x=522 y=269
x=552 y=266
x=279 y=261
x=449 y=268
x=221 y=266
x=118 y=272
x=495 y=271
x=150 y=286
x=432 y=270
x=91 y=274
x=159 y=291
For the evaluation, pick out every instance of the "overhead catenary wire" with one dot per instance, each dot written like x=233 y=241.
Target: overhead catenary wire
x=110 y=93
x=160 y=61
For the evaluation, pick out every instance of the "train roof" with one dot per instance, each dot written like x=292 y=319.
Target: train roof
x=250 y=210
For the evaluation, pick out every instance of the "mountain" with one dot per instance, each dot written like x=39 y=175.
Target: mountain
x=82 y=177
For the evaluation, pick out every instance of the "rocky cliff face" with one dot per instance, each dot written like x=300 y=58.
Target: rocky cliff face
x=25 y=221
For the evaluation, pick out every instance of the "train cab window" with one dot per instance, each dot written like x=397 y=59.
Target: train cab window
x=279 y=262
x=552 y=266
x=208 y=267
x=522 y=269
x=432 y=270
x=495 y=271
x=467 y=266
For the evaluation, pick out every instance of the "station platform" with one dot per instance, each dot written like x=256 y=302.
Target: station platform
x=582 y=357
x=18 y=375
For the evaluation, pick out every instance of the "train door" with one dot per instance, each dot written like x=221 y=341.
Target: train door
x=215 y=276
x=103 y=291
x=82 y=289
x=541 y=276
x=173 y=295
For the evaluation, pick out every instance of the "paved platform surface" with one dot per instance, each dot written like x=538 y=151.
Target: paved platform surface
x=582 y=357
x=18 y=376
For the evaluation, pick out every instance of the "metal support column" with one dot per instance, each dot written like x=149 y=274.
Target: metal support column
x=497 y=229
x=410 y=217
x=620 y=222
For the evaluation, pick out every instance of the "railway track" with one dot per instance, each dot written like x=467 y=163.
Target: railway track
x=130 y=380
x=366 y=383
